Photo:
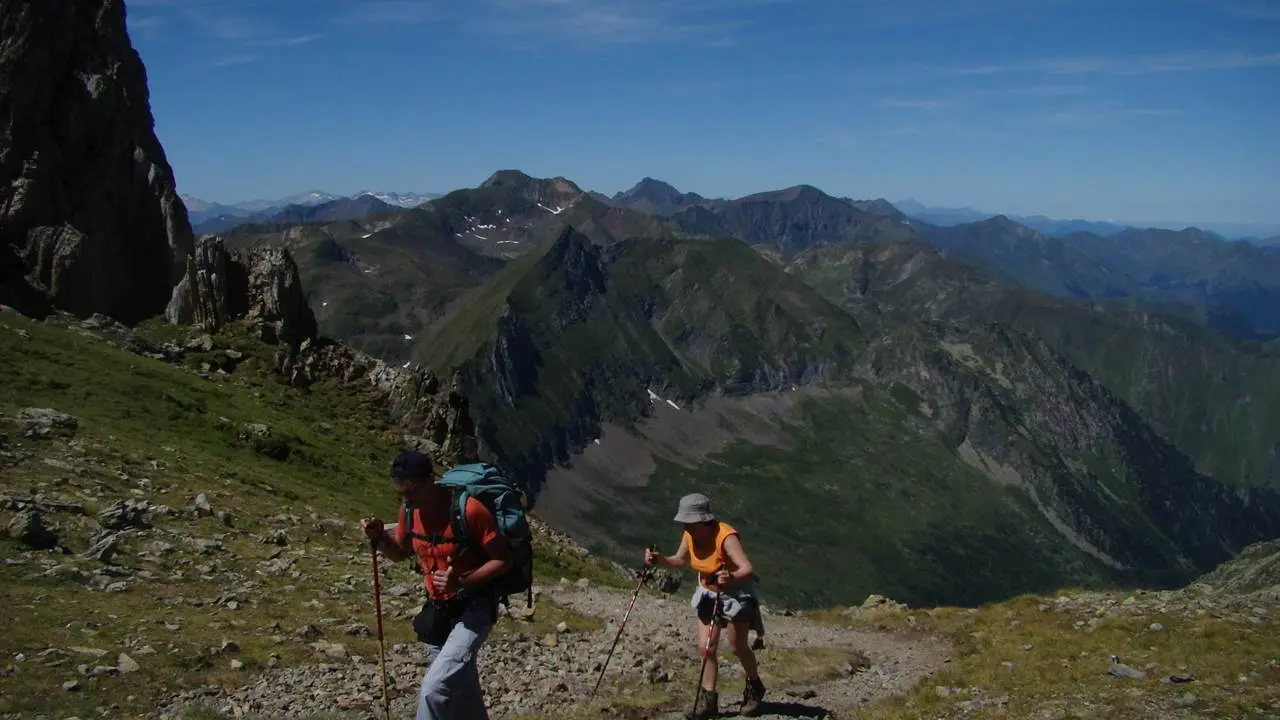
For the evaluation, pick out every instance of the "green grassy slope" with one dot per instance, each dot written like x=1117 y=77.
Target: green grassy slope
x=1216 y=398
x=182 y=583
x=866 y=497
x=575 y=334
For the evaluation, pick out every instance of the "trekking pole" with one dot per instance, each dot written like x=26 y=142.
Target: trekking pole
x=382 y=648
x=644 y=575
x=713 y=637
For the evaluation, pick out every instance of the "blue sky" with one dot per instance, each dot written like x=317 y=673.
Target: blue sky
x=1134 y=110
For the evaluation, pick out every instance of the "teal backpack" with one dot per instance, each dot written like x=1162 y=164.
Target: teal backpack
x=506 y=501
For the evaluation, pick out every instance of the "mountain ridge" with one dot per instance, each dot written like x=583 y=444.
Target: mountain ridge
x=1179 y=375
x=202 y=212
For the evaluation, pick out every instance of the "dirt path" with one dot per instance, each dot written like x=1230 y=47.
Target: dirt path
x=528 y=676
x=897 y=663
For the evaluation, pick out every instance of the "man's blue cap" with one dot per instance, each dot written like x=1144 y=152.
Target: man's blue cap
x=411 y=464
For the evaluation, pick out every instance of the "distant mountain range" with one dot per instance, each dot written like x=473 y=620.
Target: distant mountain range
x=202 y=212
x=1056 y=227
x=656 y=197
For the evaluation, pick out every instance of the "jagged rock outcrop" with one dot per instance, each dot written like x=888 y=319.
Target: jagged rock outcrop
x=260 y=284
x=90 y=220
x=432 y=412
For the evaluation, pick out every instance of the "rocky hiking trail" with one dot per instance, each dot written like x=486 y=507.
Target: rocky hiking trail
x=812 y=670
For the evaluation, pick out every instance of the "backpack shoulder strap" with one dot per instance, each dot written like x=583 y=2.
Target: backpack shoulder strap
x=458 y=523
x=407 y=516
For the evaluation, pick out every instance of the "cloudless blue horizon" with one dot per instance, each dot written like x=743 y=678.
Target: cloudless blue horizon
x=1128 y=110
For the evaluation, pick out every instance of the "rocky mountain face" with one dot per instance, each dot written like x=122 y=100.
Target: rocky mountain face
x=90 y=220
x=1211 y=395
x=579 y=334
x=260 y=285
x=657 y=198
x=790 y=220
x=511 y=214
x=1097 y=471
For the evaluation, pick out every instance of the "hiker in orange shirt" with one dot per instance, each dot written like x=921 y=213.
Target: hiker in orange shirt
x=714 y=550
x=460 y=609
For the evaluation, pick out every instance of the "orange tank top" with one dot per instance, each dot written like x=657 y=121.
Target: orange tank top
x=712 y=557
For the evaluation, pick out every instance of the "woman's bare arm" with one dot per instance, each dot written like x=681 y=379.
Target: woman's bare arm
x=738 y=557
x=680 y=559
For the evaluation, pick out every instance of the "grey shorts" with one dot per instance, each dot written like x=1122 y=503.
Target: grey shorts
x=737 y=604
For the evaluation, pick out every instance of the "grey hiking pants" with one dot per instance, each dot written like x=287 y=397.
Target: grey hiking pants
x=451 y=687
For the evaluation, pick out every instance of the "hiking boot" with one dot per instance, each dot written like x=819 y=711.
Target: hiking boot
x=752 y=694
x=707 y=705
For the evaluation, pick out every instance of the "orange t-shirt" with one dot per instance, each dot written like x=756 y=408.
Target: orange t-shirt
x=713 y=556
x=481 y=528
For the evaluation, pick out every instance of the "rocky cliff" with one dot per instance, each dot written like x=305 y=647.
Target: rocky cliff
x=1104 y=479
x=259 y=284
x=580 y=334
x=90 y=220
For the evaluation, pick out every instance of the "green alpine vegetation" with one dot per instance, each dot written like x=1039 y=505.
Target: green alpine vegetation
x=1214 y=397
x=577 y=333
x=245 y=494
x=635 y=371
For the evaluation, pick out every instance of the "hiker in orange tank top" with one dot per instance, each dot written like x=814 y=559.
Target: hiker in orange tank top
x=460 y=608
x=714 y=550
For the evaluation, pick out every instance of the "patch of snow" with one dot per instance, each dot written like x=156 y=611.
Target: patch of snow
x=406 y=364
x=407 y=337
x=366 y=236
x=324 y=304
x=394 y=198
x=478 y=235
x=506 y=242
x=557 y=211
x=654 y=396
x=596 y=441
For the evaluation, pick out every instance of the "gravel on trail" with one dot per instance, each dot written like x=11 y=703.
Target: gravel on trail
x=528 y=675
